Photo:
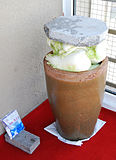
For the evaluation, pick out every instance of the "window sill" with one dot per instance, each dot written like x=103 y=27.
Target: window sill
x=109 y=101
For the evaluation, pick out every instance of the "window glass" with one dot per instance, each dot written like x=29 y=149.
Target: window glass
x=104 y=10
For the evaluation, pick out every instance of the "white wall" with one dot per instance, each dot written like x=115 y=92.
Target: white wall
x=22 y=48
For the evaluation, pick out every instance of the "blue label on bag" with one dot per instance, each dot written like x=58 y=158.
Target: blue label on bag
x=13 y=124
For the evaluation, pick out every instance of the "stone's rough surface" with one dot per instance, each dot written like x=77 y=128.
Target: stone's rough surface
x=25 y=141
x=76 y=30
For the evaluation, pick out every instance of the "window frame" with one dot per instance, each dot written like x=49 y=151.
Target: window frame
x=109 y=101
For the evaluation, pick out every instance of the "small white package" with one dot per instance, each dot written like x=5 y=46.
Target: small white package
x=12 y=124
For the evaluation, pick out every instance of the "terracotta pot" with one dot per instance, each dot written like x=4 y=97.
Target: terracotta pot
x=75 y=99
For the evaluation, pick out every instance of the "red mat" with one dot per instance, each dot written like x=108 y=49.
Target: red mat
x=100 y=147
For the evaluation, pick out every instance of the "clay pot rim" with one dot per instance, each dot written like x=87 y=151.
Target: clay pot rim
x=75 y=76
x=70 y=72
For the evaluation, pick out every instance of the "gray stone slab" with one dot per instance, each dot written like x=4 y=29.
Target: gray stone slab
x=25 y=141
x=76 y=30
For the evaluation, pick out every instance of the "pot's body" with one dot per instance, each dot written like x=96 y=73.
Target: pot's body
x=75 y=99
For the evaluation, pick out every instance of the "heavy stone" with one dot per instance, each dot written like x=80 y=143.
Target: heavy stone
x=76 y=30
x=25 y=141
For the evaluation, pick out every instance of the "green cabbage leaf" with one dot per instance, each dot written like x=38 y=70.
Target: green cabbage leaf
x=74 y=58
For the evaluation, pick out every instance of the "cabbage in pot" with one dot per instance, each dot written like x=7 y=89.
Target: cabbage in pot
x=73 y=58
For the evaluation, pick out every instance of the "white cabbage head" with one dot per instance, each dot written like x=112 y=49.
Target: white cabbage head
x=97 y=53
x=76 y=62
x=74 y=58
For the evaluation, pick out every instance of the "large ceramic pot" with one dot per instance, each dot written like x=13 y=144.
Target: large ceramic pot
x=75 y=99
